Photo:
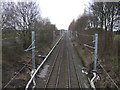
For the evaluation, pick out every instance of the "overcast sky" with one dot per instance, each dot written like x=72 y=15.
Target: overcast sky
x=61 y=12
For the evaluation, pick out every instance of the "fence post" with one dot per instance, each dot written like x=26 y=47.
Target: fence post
x=95 y=52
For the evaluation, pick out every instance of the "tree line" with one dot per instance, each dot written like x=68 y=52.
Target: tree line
x=102 y=18
x=104 y=15
x=22 y=17
x=17 y=21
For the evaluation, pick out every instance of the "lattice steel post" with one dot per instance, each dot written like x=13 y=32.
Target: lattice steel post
x=95 y=53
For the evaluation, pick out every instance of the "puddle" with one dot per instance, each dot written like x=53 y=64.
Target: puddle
x=43 y=72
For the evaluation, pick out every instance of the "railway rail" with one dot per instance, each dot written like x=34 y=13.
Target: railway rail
x=78 y=80
x=62 y=71
x=61 y=68
x=55 y=67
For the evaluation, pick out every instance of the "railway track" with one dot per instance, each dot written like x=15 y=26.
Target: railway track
x=74 y=80
x=52 y=81
x=61 y=71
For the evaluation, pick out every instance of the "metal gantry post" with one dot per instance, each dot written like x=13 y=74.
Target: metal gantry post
x=76 y=35
x=60 y=32
x=95 y=48
x=53 y=36
x=71 y=34
x=33 y=50
x=33 y=58
x=95 y=52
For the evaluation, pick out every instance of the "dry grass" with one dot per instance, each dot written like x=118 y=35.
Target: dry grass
x=108 y=50
x=14 y=57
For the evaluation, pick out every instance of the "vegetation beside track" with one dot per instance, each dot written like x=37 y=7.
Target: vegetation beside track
x=101 y=18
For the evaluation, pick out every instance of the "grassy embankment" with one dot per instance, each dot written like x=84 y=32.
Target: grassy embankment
x=109 y=61
x=14 y=57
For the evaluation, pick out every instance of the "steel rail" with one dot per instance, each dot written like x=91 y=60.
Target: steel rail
x=58 y=74
x=69 y=76
x=29 y=82
x=76 y=74
x=78 y=79
x=52 y=67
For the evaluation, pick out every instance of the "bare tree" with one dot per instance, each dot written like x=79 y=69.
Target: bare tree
x=28 y=13
x=8 y=15
x=1 y=15
x=21 y=17
x=107 y=14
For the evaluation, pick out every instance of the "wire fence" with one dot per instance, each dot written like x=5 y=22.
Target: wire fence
x=25 y=65
x=18 y=72
x=108 y=76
